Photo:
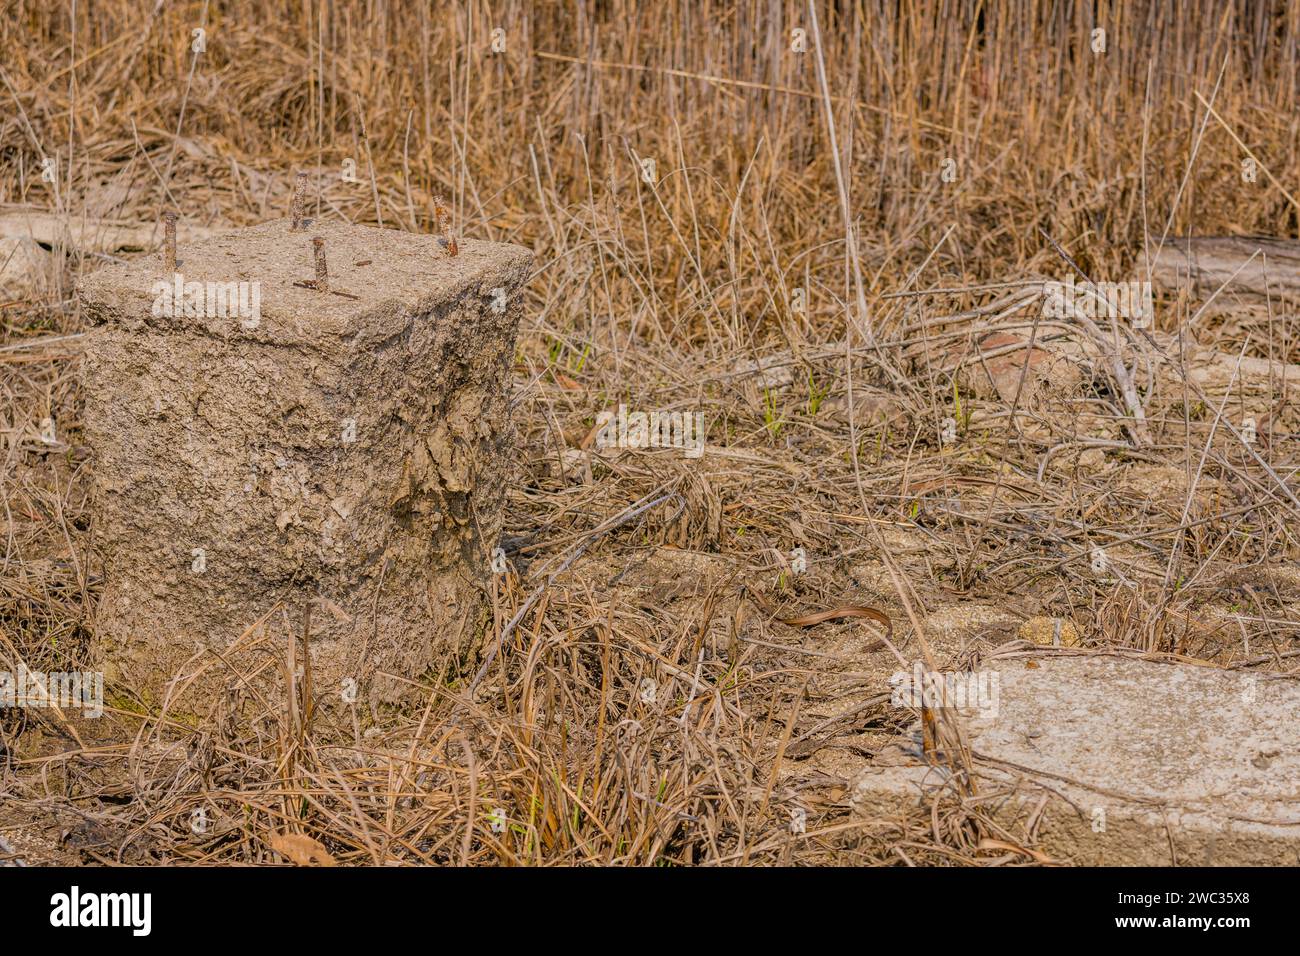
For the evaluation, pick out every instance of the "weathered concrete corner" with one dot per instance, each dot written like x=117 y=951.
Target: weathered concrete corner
x=1116 y=761
x=274 y=446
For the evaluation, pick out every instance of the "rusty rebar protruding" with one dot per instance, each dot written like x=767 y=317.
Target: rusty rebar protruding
x=299 y=208
x=169 y=242
x=322 y=271
x=442 y=224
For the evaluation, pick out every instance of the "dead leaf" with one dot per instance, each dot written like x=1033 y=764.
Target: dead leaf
x=301 y=849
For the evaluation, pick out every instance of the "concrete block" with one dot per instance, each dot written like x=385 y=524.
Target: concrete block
x=260 y=446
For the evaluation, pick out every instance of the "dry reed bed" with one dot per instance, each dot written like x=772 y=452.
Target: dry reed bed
x=657 y=567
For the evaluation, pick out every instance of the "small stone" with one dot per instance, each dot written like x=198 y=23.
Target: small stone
x=1049 y=632
x=772 y=371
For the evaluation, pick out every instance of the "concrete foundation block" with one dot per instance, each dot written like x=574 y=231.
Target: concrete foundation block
x=1102 y=760
x=260 y=446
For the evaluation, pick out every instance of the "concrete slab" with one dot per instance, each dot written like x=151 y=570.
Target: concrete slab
x=1105 y=760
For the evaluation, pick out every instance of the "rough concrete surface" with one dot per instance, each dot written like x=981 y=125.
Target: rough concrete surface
x=348 y=453
x=1105 y=760
x=1235 y=266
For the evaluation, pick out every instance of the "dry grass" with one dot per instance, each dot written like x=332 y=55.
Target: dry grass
x=651 y=566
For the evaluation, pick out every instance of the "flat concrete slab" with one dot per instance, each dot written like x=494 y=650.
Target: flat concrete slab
x=1106 y=760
